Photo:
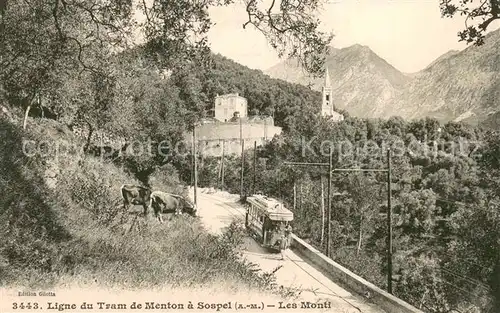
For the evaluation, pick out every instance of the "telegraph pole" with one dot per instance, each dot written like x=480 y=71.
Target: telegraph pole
x=389 y=223
x=329 y=205
x=222 y=167
x=242 y=142
x=242 y=166
x=389 y=208
x=254 y=165
x=195 y=165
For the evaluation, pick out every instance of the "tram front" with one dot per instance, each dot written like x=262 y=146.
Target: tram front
x=271 y=219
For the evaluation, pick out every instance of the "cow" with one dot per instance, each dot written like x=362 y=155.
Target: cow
x=161 y=202
x=136 y=195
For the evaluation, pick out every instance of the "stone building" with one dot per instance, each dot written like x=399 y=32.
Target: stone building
x=225 y=132
x=227 y=105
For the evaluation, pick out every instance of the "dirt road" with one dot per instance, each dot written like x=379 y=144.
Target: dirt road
x=217 y=210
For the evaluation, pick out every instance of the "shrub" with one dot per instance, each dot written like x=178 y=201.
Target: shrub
x=166 y=178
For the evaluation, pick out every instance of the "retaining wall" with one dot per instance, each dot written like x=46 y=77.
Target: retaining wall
x=349 y=280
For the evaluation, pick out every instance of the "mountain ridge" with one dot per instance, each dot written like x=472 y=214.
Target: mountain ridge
x=456 y=84
x=460 y=85
x=361 y=80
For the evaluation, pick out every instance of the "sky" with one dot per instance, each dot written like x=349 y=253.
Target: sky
x=409 y=34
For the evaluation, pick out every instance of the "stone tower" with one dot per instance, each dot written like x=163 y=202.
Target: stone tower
x=327 y=102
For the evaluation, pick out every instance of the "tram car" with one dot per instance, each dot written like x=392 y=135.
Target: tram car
x=268 y=220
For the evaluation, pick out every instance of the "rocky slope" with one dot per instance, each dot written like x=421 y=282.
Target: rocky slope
x=460 y=86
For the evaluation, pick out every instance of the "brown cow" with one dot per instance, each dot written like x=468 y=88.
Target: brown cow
x=136 y=195
x=163 y=202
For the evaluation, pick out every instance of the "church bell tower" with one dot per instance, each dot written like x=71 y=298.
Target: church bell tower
x=327 y=102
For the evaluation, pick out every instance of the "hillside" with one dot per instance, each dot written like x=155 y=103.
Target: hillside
x=265 y=95
x=362 y=82
x=62 y=223
x=442 y=57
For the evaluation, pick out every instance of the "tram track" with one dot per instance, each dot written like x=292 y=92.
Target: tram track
x=235 y=211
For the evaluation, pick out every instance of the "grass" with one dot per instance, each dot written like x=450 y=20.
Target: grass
x=73 y=230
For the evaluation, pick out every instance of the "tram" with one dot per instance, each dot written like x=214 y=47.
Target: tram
x=269 y=221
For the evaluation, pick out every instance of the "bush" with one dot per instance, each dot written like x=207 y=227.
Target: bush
x=91 y=191
x=166 y=178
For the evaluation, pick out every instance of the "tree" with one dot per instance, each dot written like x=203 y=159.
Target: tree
x=180 y=28
x=485 y=11
x=366 y=197
x=39 y=37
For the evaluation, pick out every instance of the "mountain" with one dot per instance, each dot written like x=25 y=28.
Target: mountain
x=458 y=85
x=362 y=82
x=442 y=57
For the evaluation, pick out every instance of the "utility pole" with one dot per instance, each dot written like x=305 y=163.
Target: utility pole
x=241 y=129
x=242 y=166
x=389 y=223
x=389 y=208
x=254 y=165
x=242 y=142
x=322 y=212
x=195 y=165
x=222 y=167
x=294 y=195
x=301 y=196
x=192 y=163
x=329 y=205
x=330 y=167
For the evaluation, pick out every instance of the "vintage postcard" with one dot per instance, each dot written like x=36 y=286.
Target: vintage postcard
x=250 y=155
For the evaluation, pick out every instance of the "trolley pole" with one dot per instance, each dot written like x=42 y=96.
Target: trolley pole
x=254 y=165
x=195 y=166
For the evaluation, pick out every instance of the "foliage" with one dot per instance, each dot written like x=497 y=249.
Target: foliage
x=444 y=201
x=46 y=41
x=75 y=59
x=486 y=11
x=283 y=101
x=180 y=29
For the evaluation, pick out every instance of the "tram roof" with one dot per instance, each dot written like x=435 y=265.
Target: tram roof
x=274 y=209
